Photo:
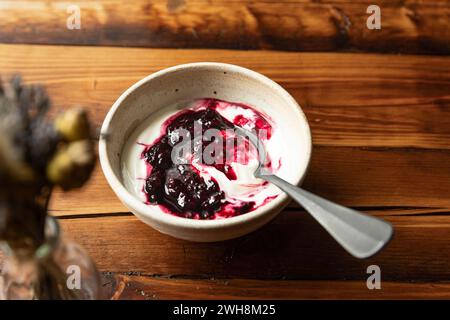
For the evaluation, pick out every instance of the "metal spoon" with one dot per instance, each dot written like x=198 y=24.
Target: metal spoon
x=360 y=234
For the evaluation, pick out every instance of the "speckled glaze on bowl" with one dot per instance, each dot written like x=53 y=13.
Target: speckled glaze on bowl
x=188 y=82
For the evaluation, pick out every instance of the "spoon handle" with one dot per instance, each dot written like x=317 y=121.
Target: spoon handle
x=360 y=234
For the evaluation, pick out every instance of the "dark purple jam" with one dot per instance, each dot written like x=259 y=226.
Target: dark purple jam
x=178 y=187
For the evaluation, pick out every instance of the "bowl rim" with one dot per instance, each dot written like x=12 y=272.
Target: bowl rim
x=162 y=218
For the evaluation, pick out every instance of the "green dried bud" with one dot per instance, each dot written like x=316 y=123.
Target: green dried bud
x=72 y=165
x=73 y=125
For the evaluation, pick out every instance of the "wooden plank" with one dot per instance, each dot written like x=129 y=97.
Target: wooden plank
x=380 y=123
x=350 y=99
x=352 y=176
x=293 y=246
x=148 y=288
x=407 y=26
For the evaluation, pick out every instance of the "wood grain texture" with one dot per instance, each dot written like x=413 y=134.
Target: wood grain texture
x=381 y=144
x=411 y=26
x=356 y=177
x=380 y=124
x=149 y=288
x=293 y=246
x=350 y=99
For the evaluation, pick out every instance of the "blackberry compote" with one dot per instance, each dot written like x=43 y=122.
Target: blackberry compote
x=176 y=184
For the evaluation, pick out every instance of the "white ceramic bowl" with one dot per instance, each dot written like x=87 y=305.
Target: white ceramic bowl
x=199 y=80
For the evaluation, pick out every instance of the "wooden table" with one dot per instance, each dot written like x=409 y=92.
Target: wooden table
x=380 y=122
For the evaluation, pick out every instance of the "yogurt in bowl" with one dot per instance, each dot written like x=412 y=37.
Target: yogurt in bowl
x=185 y=196
x=214 y=178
